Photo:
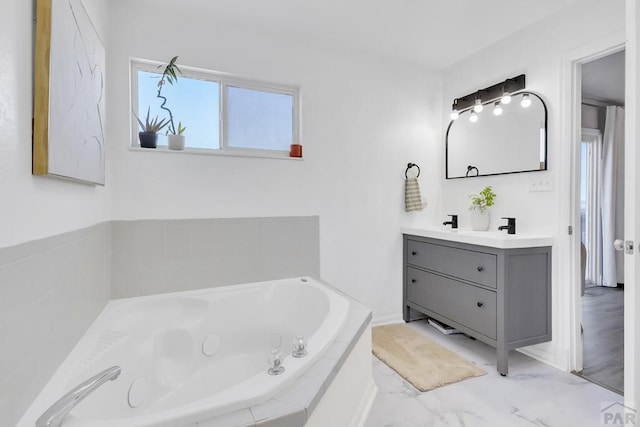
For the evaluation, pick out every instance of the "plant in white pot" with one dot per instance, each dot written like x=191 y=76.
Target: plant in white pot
x=177 y=140
x=170 y=75
x=480 y=204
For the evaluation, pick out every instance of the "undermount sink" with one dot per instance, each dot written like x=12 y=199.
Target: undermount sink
x=494 y=239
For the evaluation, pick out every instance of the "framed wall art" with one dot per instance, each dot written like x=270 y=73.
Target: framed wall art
x=69 y=94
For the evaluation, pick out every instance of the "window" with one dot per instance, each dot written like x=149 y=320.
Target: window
x=222 y=114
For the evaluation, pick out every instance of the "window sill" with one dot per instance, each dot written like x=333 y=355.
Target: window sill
x=226 y=153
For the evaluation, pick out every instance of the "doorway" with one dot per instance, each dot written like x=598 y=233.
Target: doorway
x=601 y=189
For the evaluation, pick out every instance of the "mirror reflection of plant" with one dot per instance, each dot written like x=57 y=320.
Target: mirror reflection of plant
x=483 y=200
x=169 y=75
x=151 y=124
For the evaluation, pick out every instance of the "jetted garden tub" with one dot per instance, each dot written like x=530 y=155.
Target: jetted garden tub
x=190 y=356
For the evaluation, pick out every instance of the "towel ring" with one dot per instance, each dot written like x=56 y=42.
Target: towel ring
x=471 y=168
x=409 y=166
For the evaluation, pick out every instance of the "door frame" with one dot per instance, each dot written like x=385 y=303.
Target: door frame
x=572 y=115
x=632 y=207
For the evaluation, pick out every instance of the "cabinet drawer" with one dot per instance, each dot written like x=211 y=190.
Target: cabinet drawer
x=466 y=304
x=469 y=265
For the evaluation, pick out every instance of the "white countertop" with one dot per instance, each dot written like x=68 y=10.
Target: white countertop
x=493 y=239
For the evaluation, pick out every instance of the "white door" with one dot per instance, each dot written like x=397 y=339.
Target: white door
x=632 y=208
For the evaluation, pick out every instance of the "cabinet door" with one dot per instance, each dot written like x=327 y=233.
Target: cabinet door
x=478 y=267
x=465 y=304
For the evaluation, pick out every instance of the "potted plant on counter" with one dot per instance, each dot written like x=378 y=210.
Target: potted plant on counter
x=480 y=204
x=148 y=135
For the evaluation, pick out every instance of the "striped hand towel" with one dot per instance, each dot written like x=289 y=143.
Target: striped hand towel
x=412 y=196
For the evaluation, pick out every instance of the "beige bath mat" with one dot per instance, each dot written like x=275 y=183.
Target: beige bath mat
x=419 y=360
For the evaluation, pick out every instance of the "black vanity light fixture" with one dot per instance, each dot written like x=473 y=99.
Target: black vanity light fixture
x=499 y=94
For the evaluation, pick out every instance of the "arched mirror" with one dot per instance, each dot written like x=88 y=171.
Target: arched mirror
x=500 y=139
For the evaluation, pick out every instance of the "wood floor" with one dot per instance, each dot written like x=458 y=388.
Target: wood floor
x=603 y=336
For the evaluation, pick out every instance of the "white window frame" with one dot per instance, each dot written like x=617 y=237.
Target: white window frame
x=224 y=80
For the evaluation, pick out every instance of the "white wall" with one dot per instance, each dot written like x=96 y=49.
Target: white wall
x=593 y=117
x=33 y=207
x=50 y=289
x=537 y=51
x=363 y=120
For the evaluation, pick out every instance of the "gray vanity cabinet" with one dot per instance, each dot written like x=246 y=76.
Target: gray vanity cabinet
x=499 y=296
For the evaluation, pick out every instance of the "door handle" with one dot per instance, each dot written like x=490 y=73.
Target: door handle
x=618 y=245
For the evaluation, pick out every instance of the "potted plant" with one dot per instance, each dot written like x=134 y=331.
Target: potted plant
x=480 y=204
x=149 y=134
x=176 y=140
x=169 y=75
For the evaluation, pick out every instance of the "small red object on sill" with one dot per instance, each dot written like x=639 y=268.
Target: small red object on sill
x=296 y=150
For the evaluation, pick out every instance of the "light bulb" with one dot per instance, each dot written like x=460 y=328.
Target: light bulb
x=506 y=98
x=526 y=101
x=497 y=110
x=478 y=107
x=473 y=117
x=454 y=114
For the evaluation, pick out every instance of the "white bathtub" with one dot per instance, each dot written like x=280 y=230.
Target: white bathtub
x=189 y=356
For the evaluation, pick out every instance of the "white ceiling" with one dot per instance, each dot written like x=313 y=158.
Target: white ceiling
x=435 y=33
x=603 y=79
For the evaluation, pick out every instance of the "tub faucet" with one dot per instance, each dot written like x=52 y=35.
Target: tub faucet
x=54 y=416
x=275 y=363
x=453 y=222
x=299 y=347
x=510 y=227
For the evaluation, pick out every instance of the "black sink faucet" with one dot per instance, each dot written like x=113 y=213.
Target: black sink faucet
x=510 y=227
x=453 y=222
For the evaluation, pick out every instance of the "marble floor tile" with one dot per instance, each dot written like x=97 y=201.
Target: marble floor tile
x=533 y=394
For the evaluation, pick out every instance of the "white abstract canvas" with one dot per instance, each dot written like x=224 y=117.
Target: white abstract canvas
x=76 y=95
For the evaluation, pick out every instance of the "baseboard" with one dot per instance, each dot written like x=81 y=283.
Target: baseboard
x=543 y=356
x=365 y=405
x=385 y=320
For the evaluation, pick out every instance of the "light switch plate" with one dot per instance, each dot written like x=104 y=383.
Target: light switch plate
x=540 y=184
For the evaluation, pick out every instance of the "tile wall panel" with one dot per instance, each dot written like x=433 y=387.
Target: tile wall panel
x=156 y=256
x=51 y=290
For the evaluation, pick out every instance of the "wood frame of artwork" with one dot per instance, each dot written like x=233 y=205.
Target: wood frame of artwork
x=68 y=104
x=41 y=88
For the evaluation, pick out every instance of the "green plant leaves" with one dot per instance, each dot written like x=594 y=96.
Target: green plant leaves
x=151 y=124
x=482 y=200
x=170 y=73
